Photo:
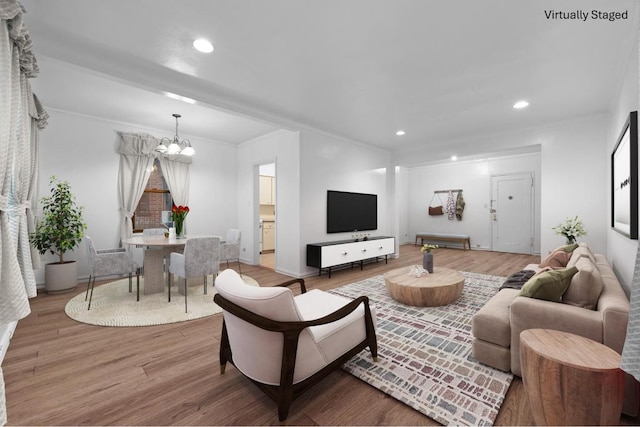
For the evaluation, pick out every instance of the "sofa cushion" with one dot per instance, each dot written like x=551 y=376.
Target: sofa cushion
x=548 y=285
x=581 y=251
x=585 y=286
x=557 y=259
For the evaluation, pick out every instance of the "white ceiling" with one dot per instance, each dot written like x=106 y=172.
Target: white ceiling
x=361 y=69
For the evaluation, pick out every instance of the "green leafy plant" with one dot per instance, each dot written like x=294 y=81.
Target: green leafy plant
x=428 y=248
x=61 y=228
x=571 y=229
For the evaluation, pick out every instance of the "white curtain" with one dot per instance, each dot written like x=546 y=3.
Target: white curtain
x=136 y=163
x=630 y=361
x=137 y=154
x=176 y=173
x=21 y=116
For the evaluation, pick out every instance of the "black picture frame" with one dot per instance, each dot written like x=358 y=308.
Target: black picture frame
x=624 y=180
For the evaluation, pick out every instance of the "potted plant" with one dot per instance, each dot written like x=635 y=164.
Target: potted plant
x=60 y=230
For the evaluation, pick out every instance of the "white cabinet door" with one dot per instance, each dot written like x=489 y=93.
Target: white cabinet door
x=268 y=236
x=375 y=248
x=266 y=190
x=338 y=254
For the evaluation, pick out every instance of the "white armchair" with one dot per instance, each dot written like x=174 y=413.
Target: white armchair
x=201 y=257
x=230 y=249
x=109 y=262
x=285 y=344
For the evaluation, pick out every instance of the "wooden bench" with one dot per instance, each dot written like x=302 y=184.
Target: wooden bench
x=463 y=239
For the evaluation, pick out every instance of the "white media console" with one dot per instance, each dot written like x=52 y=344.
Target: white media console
x=325 y=256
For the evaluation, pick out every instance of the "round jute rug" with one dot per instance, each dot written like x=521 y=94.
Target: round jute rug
x=113 y=305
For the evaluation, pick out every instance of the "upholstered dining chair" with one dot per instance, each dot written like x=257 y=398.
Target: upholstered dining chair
x=109 y=262
x=201 y=257
x=230 y=249
x=284 y=343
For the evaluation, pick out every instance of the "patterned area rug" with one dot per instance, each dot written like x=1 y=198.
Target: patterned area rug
x=424 y=354
x=113 y=305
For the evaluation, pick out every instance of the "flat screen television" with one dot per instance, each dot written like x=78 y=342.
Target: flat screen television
x=351 y=211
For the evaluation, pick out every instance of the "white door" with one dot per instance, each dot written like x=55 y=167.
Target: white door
x=512 y=213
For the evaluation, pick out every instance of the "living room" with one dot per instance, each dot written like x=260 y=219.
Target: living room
x=312 y=161
x=569 y=156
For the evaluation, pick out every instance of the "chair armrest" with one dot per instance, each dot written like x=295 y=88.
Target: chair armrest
x=177 y=263
x=303 y=288
x=119 y=256
x=110 y=251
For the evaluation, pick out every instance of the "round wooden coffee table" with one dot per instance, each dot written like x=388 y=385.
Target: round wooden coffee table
x=441 y=287
x=569 y=379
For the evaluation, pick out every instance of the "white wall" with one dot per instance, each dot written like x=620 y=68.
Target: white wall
x=282 y=148
x=474 y=178
x=574 y=180
x=402 y=201
x=622 y=250
x=82 y=150
x=329 y=163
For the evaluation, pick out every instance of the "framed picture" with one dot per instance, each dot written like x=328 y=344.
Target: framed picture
x=624 y=180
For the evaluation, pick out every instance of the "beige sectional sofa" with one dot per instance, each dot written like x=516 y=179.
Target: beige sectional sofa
x=594 y=306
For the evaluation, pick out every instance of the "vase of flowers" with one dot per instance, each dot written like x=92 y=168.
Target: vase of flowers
x=571 y=229
x=178 y=214
x=427 y=257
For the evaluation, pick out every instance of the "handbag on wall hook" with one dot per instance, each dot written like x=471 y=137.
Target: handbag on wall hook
x=437 y=209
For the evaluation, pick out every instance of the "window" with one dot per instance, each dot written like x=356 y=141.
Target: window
x=155 y=199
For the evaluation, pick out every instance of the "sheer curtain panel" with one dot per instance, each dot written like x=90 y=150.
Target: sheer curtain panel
x=21 y=117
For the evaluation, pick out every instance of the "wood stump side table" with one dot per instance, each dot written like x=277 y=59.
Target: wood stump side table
x=569 y=379
x=441 y=287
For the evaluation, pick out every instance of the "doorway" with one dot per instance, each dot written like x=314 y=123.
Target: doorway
x=267 y=210
x=512 y=212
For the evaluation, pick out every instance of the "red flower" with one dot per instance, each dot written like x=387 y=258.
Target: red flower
x=178 y=213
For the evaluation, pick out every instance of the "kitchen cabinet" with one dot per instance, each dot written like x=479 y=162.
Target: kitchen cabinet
x=268 y=236
x=267 y=190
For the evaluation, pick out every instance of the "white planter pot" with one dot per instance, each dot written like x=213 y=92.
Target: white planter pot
x=60 y=278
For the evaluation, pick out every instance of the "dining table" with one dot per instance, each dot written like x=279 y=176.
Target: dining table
x=156 y=250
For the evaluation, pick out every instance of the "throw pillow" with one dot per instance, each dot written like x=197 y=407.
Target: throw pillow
x=568 y=248
x=557 y=259
x=549 y=285
x=585 y=287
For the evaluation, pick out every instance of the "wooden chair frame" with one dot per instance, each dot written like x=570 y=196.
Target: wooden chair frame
x=285 y=393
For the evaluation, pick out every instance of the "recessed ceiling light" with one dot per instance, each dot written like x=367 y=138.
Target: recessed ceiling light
x=520 y=104
x=203 y=46
x=400 y=133
x=180 y=98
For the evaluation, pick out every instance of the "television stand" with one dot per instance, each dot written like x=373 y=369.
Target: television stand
x=327 y=255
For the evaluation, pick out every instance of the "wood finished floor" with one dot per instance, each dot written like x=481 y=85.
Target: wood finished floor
x=60 y=372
